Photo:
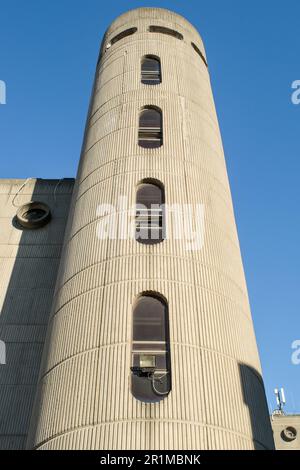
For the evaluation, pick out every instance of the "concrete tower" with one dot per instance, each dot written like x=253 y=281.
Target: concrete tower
x=151 y=345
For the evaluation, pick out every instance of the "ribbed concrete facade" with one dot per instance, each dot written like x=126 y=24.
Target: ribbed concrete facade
x=217 y=399
x=29 y=261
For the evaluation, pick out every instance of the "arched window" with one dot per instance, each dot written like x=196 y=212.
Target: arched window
x=199 y=52
x=150 y=217
x=164 y=30
x=150 y=370
x=123 y=34
x=150 y=70
x=150 y=128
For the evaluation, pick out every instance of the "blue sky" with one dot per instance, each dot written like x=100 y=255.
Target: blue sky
x=48 y=52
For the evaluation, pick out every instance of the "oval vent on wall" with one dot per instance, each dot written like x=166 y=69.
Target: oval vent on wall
x=33 y=215
x=289 y=434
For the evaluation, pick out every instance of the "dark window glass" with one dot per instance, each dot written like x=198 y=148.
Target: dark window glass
x=199 y=52
x=163 y=30
x=148 y=194
x=149 y=214
x=150 y=128
x=151 y=371
x=150 y=70
x=149 y=320
x=123 y=34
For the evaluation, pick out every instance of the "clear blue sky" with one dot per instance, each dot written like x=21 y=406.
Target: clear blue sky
x=48 y=52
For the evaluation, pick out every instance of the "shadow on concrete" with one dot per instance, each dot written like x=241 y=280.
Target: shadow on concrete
x=255 y=399
x=29 y=261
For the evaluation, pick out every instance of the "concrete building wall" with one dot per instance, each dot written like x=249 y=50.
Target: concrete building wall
x=286 y=431
x=217 y=399
x=29 y=262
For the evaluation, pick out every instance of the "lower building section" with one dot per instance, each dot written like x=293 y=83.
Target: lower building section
x=86 y=402
x=151 y=435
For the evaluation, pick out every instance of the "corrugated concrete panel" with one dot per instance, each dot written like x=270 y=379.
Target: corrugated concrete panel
x=29 y=262
x=217 y=399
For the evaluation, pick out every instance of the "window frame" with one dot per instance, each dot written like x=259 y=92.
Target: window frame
x=197 y=50
x=154 y=77
x=123 y=34
x=150 y=221
x=164 y=30
x=148 y=134
x=155 y=383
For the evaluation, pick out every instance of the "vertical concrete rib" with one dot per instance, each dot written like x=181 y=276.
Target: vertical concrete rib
x=217 y=399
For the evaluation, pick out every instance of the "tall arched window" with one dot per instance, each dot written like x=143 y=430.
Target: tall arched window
x=150 y=70
x=150 y=127
x=150 y=217
x=150 y=370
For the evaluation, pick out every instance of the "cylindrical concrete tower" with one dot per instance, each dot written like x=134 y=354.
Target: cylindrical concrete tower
x=151 y=344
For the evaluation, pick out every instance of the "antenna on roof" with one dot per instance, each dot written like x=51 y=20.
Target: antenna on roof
x=282 y=396
x=280 y=401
